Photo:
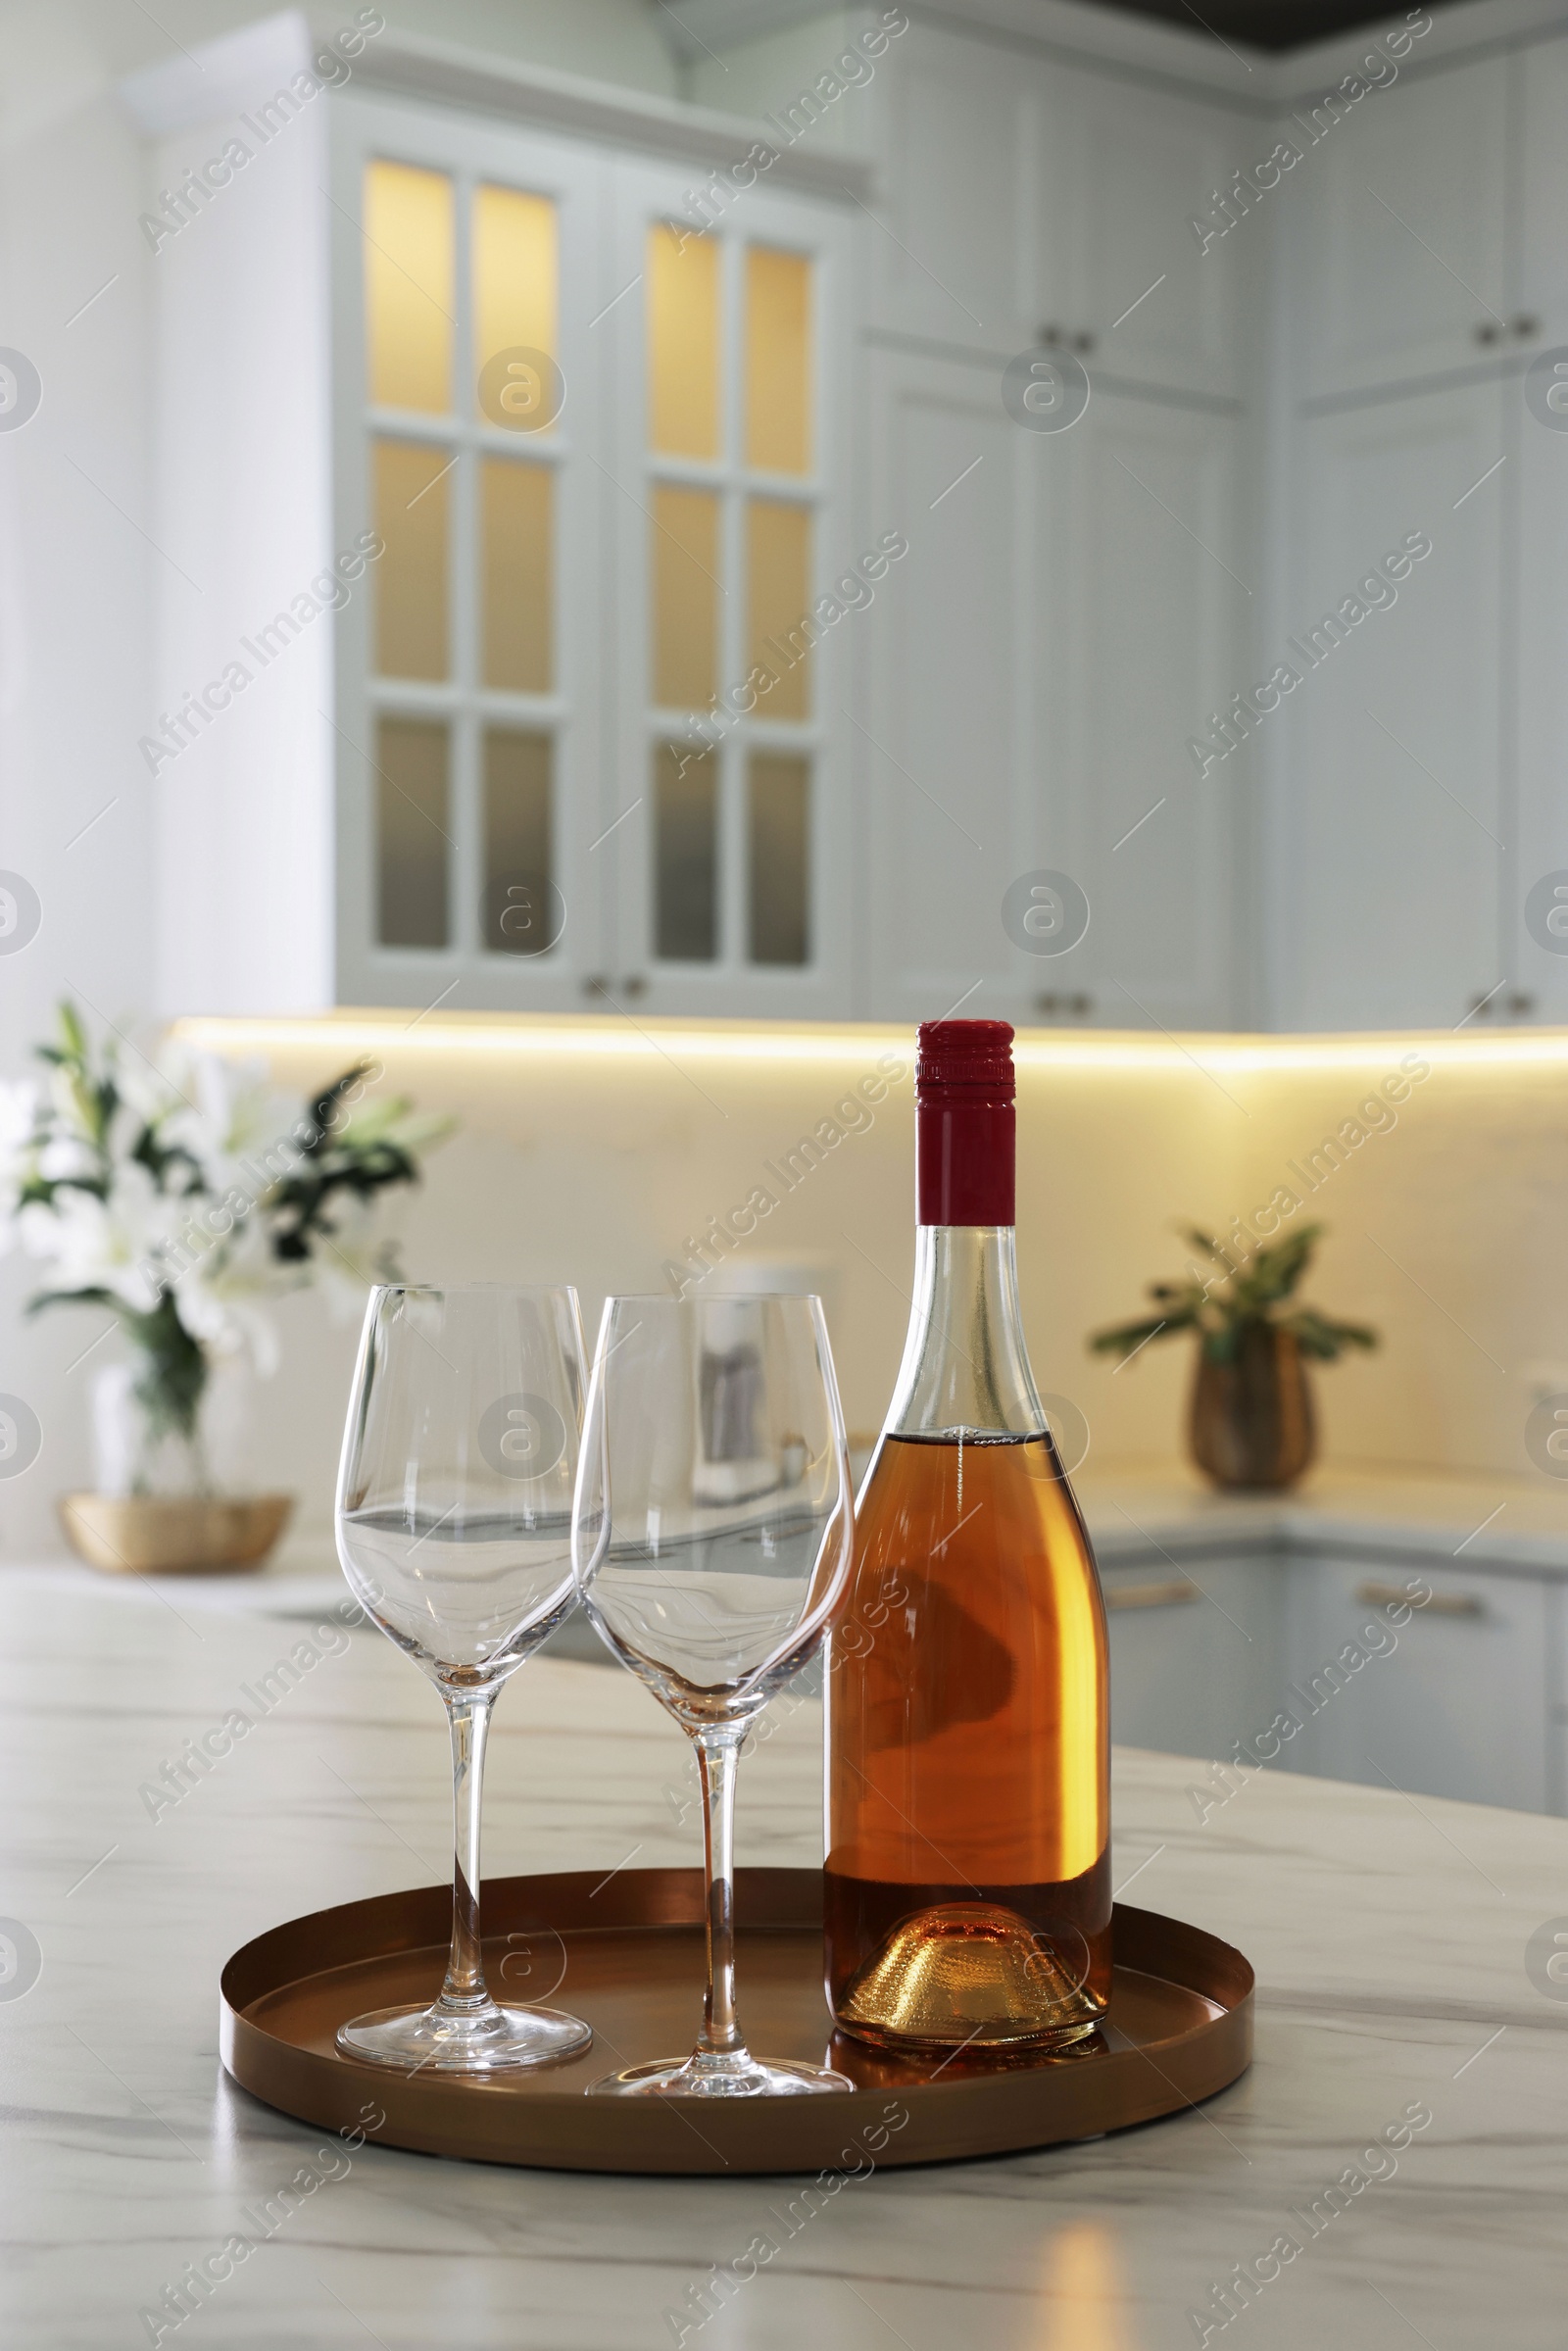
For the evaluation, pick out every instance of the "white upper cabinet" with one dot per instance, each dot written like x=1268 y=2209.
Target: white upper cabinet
x=1535 y=941
x=1394 y=244
x=1027 y=201
x=1384 y=868
x=1147 y=605
x=738 y=586
x=961 y=786
x=468 y=729
x=957 y=252
x=1127 y=170
x=1063 y=621
x=1541 y=277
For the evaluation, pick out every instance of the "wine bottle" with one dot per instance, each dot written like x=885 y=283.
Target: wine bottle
x=968 y=1895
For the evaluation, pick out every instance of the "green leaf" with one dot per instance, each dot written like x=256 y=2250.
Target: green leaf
x=1125 y=1337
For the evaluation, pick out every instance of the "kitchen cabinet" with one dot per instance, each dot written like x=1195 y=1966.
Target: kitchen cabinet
x=1146 y=618
x=962 y=146
x=1028 y=201
x=1540 y=266
x=1028 y=691
x=1461 y=1707
x=1534 y=943
x=1400 y=265
x=1194 y=1651
x=1120 y=260
x=1064 y=616
x=1391 y=809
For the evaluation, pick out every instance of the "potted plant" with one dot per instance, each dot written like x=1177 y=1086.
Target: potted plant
x=178 y=1196
x=1251 y=1420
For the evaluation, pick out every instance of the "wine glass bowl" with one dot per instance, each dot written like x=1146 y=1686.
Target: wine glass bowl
x=713 y=1534
x=453 y=1519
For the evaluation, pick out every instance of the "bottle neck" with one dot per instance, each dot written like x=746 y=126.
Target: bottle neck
x=966 y=1367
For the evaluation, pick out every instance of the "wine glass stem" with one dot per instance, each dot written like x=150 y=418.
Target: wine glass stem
x=719 y=1759
x=469 y=1717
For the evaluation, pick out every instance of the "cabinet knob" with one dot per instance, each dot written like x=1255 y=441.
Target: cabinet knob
x=1526 y=325
x=636 y=985
x=596 y=985
x=1490 y=330
x=1521 y=1003
x=1062 y=338
x=1481 y=1005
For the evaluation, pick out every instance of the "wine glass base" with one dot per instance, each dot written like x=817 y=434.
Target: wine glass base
x=739 y=2076
x=491 y=2040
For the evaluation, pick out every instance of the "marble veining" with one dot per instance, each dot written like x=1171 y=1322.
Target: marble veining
x=1390 y=1938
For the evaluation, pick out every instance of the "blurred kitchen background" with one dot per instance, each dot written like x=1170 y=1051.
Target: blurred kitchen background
x=612 y=560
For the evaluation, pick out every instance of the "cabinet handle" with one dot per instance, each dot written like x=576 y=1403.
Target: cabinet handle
x=1526 y=325
x=1051 y=1004
x=1171 y=1594
x=1442 y=1603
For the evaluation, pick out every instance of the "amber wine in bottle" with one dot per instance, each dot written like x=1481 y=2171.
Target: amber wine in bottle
x=967 y=1879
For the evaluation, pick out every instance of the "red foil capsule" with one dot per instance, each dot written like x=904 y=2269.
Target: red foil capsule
x=964 y=1122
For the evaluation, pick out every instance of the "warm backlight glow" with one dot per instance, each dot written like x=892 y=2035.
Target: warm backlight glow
x=682 y=280
x=408 y=285
x=505 y=1037
x=514 y=273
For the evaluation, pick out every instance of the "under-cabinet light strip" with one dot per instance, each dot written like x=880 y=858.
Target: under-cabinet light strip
x=588 y=1038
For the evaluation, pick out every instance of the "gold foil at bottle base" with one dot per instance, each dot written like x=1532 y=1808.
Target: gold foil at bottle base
x=967 y=1972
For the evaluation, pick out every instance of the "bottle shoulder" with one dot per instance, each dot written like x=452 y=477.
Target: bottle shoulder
x=970 y=1507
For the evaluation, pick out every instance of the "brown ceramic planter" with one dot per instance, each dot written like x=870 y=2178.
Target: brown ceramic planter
x=167 y=1534
x=1252 y=1422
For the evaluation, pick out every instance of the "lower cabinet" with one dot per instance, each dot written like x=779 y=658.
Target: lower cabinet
x=1456 y=1700
x=1334 y=1666
x=1194 y=1654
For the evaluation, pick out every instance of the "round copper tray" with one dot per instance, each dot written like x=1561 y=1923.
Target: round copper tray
x=627 y=1953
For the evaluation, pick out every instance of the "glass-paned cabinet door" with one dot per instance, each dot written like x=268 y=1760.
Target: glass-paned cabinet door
x=733 y=534
x=468 y=367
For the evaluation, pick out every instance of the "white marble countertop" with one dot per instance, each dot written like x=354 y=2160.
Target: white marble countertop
x=1139 y=1515
x=1497 y=1521
x=1388 y=1937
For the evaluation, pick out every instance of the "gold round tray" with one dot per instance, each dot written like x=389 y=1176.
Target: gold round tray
x=627 y=1955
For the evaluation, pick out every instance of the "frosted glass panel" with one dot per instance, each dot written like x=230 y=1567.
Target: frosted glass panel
x=682 y=277
x=685 y=553
x=778 y=544
x=412 y=508
x=409 y=286
x=516 y=525
x=411 y=829
x=514 y=273
x=685 y=855
x=778 y=857
x=520 y=901
x=778 y=360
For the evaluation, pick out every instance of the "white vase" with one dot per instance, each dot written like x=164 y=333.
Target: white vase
x=132 y=1455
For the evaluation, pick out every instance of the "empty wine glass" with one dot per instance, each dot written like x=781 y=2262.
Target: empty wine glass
x=712 y=1534
x=453 y=1517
